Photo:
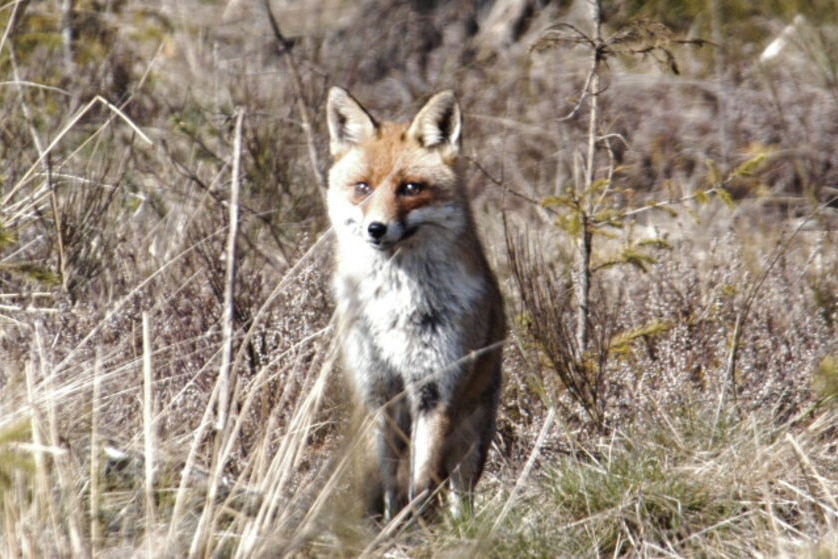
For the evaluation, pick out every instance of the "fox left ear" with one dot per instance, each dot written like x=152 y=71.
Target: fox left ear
x=439 y=122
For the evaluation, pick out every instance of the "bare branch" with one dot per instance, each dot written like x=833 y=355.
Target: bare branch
x=284 y=47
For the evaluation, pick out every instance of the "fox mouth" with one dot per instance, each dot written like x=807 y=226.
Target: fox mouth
x=386 y=244
x=379 y=244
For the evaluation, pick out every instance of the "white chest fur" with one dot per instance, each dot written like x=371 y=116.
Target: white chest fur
x=406 y=312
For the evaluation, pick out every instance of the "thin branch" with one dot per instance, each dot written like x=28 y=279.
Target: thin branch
x=586 y=239
x=606 y=139
x=226 y=384
x=284 y=46
x=14 y=20
x=94 y=487
x=62 y=254
x=523 y=478
x=586 y=88
x=555 y=35
x=225 y=374
x=667 y=203
x=505 y=188
x=148 y=433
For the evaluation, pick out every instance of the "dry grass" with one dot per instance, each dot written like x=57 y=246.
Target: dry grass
x=124 y=291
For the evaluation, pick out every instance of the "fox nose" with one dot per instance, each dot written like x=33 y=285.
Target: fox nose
x=376 y=229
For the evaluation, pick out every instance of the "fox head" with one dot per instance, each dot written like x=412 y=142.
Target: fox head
x=393 y=184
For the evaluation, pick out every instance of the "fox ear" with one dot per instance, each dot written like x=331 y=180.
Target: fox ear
x=439 y=122
x=349 y=123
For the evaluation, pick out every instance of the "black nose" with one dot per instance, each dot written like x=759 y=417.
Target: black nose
x=376 y=229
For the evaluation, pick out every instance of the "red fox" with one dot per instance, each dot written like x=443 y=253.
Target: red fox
x=420 y=316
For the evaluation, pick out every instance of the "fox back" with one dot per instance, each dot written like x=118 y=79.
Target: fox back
x=421 y=319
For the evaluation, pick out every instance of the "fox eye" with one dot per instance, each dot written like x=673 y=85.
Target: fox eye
x=412 y=188
x=363 y=189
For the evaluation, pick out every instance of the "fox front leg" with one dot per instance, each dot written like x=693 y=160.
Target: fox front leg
x=432 y=464
x=461 y=483
x=431 y=425
x=389 y=440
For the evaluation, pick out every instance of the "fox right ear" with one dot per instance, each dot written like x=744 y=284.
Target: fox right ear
x=349 y=123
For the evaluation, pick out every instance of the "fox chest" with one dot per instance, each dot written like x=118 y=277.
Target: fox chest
x=408 y=323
